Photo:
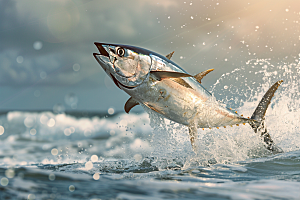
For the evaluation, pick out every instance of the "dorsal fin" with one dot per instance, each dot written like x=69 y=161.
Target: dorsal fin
x=168 y=74
x=169 y=56
x=130 y=103
x=199 y=76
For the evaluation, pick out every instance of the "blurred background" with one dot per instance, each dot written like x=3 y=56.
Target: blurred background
x=46 y=47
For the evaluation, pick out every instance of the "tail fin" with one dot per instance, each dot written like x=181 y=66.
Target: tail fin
x=258 y=118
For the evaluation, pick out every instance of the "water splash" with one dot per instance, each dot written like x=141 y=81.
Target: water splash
x=242 y=90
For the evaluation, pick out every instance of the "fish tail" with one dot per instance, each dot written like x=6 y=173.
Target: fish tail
x=257 y=121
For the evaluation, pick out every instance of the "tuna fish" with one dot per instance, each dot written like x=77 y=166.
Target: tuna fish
x=161 y=85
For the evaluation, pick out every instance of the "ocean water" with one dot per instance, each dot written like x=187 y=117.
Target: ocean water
x=144 y=156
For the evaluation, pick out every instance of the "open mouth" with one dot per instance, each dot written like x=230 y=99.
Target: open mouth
x=102 y=57
x=101 y=49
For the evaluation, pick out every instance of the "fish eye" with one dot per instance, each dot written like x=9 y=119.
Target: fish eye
x=120 y=52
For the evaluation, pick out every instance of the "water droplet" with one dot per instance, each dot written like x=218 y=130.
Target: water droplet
x=225 y=87
x=20 y=59
x=51 y=122
x=43 y=75
x=9 y=173
x=32 y=131
x=79 y=144
x=94 y=158
x=44 y=119
x=111 y=111
x=287 y=10
x=31 y=197
x=54 y=151
x=67 y=132
x=71 y=188
x=88 y=165
x=72 y=129
x=112 y=132
x=37 y=93
x=4 y=181
x=71 y=99
x=96 y=176
x=1 y=130
x=58 y=108
x=51 y=177
x=37 y=45
x=192 y=17
x=29 y=122
x=76 y=67
x=87 y=133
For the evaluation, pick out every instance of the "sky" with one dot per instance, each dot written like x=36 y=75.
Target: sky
x=46 y=47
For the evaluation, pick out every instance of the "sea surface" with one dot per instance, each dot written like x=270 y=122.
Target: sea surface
x=46 y=155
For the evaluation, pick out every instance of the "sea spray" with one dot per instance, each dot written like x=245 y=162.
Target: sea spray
x=241 y=89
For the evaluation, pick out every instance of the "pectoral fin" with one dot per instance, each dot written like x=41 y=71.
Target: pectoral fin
x=169 y=56
x=182 y=82
x=130 y=104
x=199 y=76
x=168 y=74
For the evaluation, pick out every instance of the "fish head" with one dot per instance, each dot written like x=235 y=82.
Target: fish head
x=126 y=65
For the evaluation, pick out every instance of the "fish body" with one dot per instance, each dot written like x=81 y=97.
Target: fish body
x=160 y=84
x=183 y=104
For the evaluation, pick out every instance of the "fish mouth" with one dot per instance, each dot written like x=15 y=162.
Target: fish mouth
x=101 y=49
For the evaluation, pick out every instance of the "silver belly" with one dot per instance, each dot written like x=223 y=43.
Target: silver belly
x=183 y=105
